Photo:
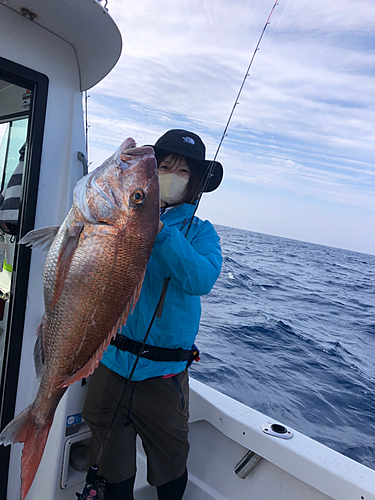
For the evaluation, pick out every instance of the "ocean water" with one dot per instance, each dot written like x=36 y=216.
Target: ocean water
x=289 y=329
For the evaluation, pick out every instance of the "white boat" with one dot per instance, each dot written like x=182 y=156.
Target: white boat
x=52 y=51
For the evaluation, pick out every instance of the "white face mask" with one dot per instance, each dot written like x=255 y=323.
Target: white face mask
x=172 y=188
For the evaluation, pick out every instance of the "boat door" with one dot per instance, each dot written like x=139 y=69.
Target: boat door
x=23 y=97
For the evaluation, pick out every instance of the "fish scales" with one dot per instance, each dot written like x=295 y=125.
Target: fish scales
x=98 y=272
x=93 y=274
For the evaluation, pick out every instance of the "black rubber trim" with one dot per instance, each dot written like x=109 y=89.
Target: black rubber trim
x=38 y=84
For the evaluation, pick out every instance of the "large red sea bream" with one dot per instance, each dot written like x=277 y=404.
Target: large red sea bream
x=93 y=274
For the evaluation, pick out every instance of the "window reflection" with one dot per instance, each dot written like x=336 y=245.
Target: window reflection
x=14 y=120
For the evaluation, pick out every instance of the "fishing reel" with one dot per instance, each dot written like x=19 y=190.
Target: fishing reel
x=95 y=486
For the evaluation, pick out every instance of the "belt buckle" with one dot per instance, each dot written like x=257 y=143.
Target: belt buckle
x=143 y=351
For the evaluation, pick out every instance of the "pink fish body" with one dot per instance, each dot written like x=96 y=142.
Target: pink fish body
x=93 y=275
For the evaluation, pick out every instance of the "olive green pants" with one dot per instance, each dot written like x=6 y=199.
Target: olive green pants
x=156 y=409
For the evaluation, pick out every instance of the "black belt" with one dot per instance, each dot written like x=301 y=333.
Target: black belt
x=152 y=352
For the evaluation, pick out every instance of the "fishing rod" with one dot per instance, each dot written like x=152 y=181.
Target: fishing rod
x=93 y=479
x=211 y=165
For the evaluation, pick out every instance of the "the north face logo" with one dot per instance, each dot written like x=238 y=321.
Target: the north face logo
x=189 y=140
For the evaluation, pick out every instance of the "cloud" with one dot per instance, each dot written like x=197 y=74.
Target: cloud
x=304 y=123
x=310 y=88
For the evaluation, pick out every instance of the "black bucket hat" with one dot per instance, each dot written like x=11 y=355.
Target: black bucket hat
x=190 y=145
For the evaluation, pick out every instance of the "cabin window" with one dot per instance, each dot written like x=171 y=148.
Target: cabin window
x=23 y=102
x=14 y=123
x=13 y=138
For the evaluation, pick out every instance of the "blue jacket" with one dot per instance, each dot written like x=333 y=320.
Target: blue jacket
x=193 y=264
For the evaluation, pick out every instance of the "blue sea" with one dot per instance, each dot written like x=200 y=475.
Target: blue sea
x=289 y=329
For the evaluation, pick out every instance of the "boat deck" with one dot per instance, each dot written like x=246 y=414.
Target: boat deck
x=222 y=431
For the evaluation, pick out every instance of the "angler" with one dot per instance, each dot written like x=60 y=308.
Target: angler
x=155 y=405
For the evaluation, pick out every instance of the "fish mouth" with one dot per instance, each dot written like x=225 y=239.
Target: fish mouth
x=137 y=163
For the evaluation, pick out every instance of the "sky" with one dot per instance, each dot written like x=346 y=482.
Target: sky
x=299 y=157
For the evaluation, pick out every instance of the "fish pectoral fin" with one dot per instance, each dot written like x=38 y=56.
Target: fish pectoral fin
x=42 y=237
x=38 y=350
x=68 y=247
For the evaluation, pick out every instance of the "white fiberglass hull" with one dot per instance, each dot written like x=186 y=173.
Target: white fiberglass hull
x=221 y=433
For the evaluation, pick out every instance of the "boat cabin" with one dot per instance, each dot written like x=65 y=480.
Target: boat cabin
x=51 y=52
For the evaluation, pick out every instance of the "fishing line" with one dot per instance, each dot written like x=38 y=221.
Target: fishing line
x=282 y=15
x=87 y=126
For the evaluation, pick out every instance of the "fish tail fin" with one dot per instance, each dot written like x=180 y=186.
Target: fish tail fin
x=32 y=454
x=23 y=429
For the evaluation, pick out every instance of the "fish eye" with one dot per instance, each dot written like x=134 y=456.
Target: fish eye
x=137 y=197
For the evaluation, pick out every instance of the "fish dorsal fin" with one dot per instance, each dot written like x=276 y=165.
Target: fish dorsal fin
x=68 y=246
x=42 y=237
